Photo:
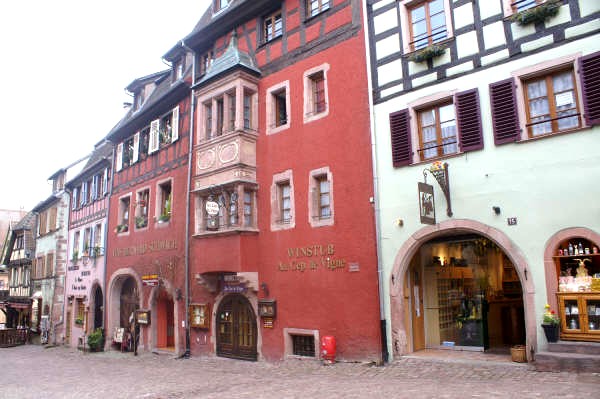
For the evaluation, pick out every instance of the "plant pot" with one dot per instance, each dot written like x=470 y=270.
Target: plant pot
x=551 y=332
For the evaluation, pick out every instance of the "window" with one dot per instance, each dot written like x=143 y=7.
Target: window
x=80 y=311
x=204 y=62
x=316 y=93
x=282 y=201
x=551 y=103
x=315 y=7
x=141 y=209
x=220 y=114
x=19 y=242
x=163 y=201
x=248 y=208
x=98 y=241
x=74 y=197
x=124 y=205
x=437 y=131
x=521 y=5
x=320 y=201
x=225 y=208
x=218 y=5
x=144 y=142
x=83 y=197
x=273 y=26
x=75 y=246
x=427 y=24
x=248 y=122
x=439 y=126
x=278 y=108
x=533 y=104
x=163 y=131
x=208 y=120
x=87 y=241
x=303 y=345
x=284 y=194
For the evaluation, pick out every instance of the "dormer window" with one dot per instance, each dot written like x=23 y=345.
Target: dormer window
x=139 y=100
x=219 y=5
x=178 y=69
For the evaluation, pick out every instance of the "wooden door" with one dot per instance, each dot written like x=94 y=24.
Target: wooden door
x=68 y=328
x=236 y=329
x=416 y=296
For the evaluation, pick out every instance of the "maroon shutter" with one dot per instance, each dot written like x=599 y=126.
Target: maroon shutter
x=505 y=118
x=401 y=143
x=468 y=119
x=589 y=69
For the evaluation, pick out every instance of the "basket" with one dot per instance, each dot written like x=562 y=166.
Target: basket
x=518 y=354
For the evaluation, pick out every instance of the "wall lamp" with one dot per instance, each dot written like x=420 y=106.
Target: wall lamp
x=496 y=210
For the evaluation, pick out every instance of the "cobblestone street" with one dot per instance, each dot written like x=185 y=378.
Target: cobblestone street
x=35 y=372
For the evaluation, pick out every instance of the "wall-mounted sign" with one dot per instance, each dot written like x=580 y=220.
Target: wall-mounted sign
x=233 y=284
x=312 y=257
x=200 y=315
x=146 y=247
x=267 y=307
x=150 y=280
x=212 y=208
x=426 y=203
x=142 y=317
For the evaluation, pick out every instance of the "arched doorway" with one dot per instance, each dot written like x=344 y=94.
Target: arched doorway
x=129 y=301
x=464 y=293
x=410 y=291
x=98 y=320
x=236 y=328
x=165 y=321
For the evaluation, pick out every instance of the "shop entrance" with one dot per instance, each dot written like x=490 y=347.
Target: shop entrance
x=129 y=302
x=464 y=294
x=165 y=324
x=236 y=328
x=98 y=314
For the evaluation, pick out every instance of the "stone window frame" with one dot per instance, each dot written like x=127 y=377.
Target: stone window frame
x=271 y=115
x=314 y=219
x=288 y=344
x=276 y=223
x=310 y=114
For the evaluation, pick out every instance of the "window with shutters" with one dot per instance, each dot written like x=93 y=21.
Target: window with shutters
x=49 y=266
x=436 y=127
x=316 y=94
x=123 y=215
x=282 y=201
x=278 y=107
x=87 y=241
x=98 y=241
x=52 y=219
x=320 y=201
x=316 y=7
x=534 y=104
x=43 y=223
x=424 y=22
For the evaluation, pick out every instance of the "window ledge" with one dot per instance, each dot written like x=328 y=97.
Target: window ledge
x=264 y=43
x=431 y=160
x=444 y=43
x=227 y=232
x=554 y=134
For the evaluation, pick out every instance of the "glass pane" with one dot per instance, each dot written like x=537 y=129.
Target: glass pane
x=324 y=186
x=539 y=107
x=438 y=21
x=541 y=128
x=537 y=89
x=436 y=6
x=417 y=14
x=447 y=113
x=562 y=82
x=572 y=314
x=593 y=312
x=427 y=118
x=325 y=212
x=324 y=200
x=525 y=4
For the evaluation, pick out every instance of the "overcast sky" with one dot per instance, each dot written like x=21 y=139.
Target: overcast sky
x=65 y=65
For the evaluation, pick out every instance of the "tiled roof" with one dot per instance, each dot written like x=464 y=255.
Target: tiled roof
x=101 y=153
x=27 y=223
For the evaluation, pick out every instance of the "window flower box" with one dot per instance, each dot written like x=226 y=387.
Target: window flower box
x=427 y=53
x=539 y=13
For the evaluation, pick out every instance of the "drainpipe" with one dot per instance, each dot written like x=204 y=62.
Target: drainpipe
x=383 y=322
x=187 y=211
x=109 y=195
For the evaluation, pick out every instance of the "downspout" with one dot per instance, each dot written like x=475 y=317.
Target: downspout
x=187 y=211
x=109 y=195
x=383 y=322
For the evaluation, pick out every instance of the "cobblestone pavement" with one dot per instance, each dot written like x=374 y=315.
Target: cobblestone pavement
x=33 y=371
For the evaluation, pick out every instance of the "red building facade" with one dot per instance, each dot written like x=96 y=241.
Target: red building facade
x=145 y=257
x=282 y=236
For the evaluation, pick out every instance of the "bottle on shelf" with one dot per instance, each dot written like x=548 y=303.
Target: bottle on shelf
x=570 y=249
x=580 y=248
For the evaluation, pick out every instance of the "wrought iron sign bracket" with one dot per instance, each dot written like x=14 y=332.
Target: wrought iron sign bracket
x=440 y=172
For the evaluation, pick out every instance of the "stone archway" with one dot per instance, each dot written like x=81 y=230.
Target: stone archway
x=113 y=302
x=456 y=226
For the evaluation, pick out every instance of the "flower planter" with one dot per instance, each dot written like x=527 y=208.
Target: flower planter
x=551 y=332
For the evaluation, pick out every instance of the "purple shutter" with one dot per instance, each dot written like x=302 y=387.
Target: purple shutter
x=505 y=118
x=401 y=141
x=589 y=69
x=468 y=120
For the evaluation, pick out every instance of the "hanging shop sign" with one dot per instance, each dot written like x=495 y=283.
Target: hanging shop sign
x=142 y=317
x=426 y=203
x=200 y=315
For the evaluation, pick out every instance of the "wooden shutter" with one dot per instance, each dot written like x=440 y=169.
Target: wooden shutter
x=94 y=193
x=105 y=182
x=505 y=117
x=175 y=124
x=119 y=161
x=589 y=70
x=84 y=193
x=136 y=147
x=401 y=140
x=468 y=119
x=153 y=139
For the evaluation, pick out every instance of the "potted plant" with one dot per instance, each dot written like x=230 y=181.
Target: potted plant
x=431 y=51
x=79 y=321
x=539 y=13
x=140 y=222
x=97 y=251
x=75 y=256
x=166 y=214
x=121 y=228
x=550 y=324
x=96 y=340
